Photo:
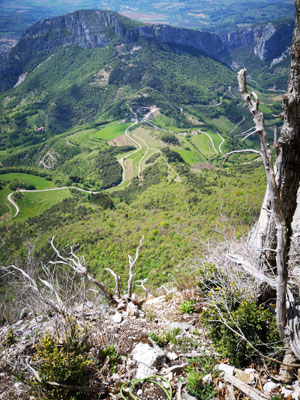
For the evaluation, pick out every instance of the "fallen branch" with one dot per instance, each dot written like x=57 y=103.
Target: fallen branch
x=251 y=392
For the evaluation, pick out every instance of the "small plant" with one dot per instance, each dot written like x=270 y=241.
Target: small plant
x=150 y=315
x=187 y=307
x=111 y=356
x=159 y=340
x=166 y=337
x=64 y=361
x=169 y=296
x=11 y=338
x=256 y=323
x=197 y=369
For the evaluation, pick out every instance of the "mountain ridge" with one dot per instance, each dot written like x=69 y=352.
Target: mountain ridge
x=97 y=28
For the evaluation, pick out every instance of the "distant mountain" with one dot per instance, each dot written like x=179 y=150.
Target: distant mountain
x=95 y=28
x=91 y=29
x=268 y=41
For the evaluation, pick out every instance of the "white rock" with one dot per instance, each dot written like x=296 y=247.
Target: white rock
x=170 y=376
x=148 y=357
x=296 y=393
x=286 y=392
x=17 y=385
x=139 y=392
x=181 y=325
x=117 y=318
x=132 y=309
x=155 y=300
x=270 y=386
x=186 y=396
x=172 y=356
x=248 y=378
x=249 y=370
x=228 y=369
x=207 y=378
x=115 y=378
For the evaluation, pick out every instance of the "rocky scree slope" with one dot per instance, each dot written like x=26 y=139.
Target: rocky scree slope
x=158 y=340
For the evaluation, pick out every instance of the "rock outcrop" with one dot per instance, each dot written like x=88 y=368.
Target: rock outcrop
x=268 y=41
x=210 y=43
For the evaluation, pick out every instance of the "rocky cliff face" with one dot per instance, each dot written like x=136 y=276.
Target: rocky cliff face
x=203 y=41
x=268 y=41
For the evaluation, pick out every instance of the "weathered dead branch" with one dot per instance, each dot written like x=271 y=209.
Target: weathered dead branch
x=227 y=155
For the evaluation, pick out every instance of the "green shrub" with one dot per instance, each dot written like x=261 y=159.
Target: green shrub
x=15 y=184
x=64 y=361
x=256 y=323
x=11 y=338
x=102 y=199
x=170 y=138
x=152 y=158
x=187 y=307
x=110 y=356
x=171 y=155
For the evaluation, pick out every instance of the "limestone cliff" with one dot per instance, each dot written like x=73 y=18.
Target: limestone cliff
x=268 y=41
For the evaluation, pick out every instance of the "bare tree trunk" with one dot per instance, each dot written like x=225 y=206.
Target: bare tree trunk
x=271 y=237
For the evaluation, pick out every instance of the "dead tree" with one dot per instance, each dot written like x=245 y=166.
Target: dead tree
x=271 y=237
x=77 y=264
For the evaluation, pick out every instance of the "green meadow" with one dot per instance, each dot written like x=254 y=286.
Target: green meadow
x=32 y=204
x=190 y=157
x=37 y=181
x=112 y=131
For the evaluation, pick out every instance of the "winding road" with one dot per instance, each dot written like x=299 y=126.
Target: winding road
x=211 y=141
x=222 y=141
x=121 y=161
x=9 y=198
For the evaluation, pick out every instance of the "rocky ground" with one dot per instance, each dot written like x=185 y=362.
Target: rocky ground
x=135 y=334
